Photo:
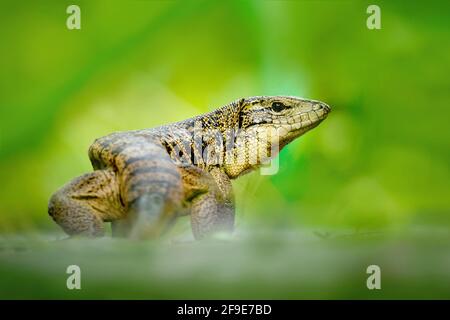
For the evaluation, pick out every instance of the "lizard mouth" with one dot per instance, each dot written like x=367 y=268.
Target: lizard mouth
x=304 y=122
x=299 y=122
x=308 y=120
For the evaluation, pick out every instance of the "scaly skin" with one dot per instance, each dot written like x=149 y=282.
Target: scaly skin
x=144 y=179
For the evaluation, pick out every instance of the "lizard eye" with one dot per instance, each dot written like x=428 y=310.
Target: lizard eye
x=278 y=106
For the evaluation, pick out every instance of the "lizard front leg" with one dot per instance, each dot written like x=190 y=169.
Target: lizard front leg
x=212 y=201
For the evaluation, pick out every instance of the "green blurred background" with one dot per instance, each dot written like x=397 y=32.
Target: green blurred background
x=378 y=166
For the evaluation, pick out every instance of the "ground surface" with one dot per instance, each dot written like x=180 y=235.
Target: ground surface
x=294 y=264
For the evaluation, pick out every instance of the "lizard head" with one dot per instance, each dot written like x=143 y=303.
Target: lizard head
x=267 y=124
x=289 y=117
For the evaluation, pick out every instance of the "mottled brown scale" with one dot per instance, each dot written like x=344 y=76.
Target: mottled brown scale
x=144 y=179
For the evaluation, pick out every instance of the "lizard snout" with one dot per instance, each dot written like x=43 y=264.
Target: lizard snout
x=326 y=108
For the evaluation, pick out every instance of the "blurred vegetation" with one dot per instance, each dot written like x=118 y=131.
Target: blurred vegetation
x=380 y=161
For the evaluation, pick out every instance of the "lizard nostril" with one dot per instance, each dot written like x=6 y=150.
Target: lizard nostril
x=325 y=107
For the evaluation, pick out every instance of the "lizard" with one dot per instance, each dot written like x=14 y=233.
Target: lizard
x=144 y=179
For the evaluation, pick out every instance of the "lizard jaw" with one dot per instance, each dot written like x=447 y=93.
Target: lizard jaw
x=303 y=122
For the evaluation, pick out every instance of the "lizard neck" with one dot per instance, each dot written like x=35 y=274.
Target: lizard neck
x=238 y=150
x=222 y=119
x=217 y=140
